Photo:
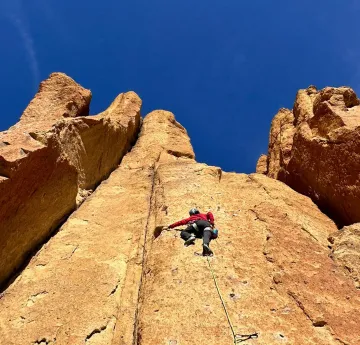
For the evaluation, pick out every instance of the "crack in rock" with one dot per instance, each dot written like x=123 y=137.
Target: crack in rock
x=32 y=299
x=113 y=291
x=318 y=322
x=44 y=341
x=95 y=331
x=299 y=304
x=72 y=252
x=308 y=232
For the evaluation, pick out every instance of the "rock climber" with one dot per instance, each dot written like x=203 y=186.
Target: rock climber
x=199 y=225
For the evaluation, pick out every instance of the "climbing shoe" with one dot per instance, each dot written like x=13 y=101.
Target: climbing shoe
x=190 y=241
x=207 y=251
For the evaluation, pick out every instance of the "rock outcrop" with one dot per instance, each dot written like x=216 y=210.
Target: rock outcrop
x=113 y=276
x=93 y=266
x=346 y=250
x=52 y=158
x=280 y=143
x=315 y=148
x=261 y=166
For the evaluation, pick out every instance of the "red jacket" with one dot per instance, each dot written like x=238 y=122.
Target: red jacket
x=192 y=219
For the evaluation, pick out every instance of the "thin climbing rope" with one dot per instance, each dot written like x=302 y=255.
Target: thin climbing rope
x=238 y=338
x=221 y=299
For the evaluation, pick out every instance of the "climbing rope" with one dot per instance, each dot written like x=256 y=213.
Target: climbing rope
x=238 y=338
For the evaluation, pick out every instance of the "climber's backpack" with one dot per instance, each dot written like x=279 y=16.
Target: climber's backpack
x=215 y=234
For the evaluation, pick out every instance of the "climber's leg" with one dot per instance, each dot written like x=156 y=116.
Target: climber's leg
x=188 y=235
x=207 y=237
x=206 y=242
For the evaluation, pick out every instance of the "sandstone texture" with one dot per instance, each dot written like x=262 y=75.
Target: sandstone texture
x=52 y=158
x=261 y=166
x=280 y=143
x=315 y=150
x=112 y=276
x=346 y=250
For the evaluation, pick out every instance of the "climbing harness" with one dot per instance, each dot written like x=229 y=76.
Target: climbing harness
x=238 y=338
x=214 y=232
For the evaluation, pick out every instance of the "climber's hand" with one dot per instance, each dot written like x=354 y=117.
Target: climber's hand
x=166 y=228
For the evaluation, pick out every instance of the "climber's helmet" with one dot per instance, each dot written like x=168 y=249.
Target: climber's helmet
x=194 y=211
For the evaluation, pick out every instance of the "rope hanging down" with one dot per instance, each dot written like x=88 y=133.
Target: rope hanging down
x=238 y=338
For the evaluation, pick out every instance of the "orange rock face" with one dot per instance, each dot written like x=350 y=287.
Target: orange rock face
x=346 y=251
x=280 y=143
x=51 y=159
x=111 y=275
x=318 y=154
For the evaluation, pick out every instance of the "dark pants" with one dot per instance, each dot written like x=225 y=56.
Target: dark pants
x=200 y=233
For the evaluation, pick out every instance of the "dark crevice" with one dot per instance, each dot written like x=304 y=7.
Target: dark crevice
x=330 y=212
x=180 y=154
x=300 y=184
x=34 y=251
x=43 y=341
x=95 y=331
x=320 y=323
x=137 y=331
x=114 y=290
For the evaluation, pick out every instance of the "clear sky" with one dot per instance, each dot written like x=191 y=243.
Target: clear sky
x=222 y=67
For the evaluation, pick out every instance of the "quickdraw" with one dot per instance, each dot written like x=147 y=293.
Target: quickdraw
x=239 y=338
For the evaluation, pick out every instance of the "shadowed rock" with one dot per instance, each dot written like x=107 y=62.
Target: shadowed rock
x=316 y=150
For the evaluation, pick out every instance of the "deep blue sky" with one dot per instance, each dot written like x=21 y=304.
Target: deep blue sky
x=222 y=67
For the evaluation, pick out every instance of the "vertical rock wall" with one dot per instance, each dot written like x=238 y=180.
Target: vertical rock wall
x=52 y=158
x=111 y=276
x=82 y=287
x=271 y=262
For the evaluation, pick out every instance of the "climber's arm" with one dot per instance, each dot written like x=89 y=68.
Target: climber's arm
x=180 y=222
